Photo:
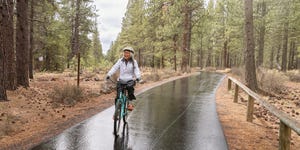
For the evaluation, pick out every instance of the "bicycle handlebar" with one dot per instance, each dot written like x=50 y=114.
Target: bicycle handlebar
x=115 y=82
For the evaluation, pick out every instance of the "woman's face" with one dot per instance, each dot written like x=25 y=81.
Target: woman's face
x=126 y=55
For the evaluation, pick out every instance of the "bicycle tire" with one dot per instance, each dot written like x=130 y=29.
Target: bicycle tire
x=126 y=112
x=117 y=118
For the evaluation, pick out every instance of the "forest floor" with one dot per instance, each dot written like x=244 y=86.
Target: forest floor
x=32 y=116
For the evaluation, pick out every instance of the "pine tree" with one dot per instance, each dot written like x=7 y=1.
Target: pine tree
x=22 y=43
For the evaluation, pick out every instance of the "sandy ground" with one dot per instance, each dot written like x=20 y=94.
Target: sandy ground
x=31 y=116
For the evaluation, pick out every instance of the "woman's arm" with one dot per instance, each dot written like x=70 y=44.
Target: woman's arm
x=114 y=68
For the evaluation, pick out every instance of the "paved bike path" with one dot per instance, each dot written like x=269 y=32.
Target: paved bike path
x=179 y=115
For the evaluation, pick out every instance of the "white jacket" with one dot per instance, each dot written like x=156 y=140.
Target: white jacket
x=127 y=71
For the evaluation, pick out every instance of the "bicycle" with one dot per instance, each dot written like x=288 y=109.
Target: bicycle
x=121 y=105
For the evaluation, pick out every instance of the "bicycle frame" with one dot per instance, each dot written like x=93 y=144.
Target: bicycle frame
x=123 y=99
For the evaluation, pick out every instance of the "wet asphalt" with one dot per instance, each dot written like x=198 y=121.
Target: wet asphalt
x=179 y=115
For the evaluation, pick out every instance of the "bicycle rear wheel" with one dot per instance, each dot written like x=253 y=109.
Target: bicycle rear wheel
x=117 y=118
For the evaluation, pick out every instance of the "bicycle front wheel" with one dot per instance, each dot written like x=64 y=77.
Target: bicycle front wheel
x=117 y=118
x=125 y=116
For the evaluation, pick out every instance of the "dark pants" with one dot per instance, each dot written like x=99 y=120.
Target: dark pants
x=130 y=90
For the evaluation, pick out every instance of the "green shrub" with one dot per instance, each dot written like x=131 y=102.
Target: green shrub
x=67 y=94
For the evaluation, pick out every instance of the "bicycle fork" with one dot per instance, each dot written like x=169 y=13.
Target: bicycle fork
x=123 y=105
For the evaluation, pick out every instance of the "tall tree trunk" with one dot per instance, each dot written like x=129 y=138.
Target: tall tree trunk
x=228 y=62
x=225 y=51
x=75 y=40
x=250 y=74
x=31 y=40
x=3 y=95
x=285 y=47
x=262 y=31
x=272 y=58
x=175 y=51
x=199 y=54
x=291 y=55
x=278 y=57
x=8 y=44
x=209 y=58
x=285 y=38
x=191 y=59
x=297 y=60
x=22 y=43
x=187 y=27
x=75 y=31
x=153 y=58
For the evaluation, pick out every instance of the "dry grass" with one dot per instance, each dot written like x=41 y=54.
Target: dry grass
x=7 y=123
x=150 y=74
x=238 y=71
x=271 y=80
x=210 y=69
x=67 y=94
x=294 y=75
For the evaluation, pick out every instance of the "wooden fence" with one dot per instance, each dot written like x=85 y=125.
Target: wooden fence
x=286 y=122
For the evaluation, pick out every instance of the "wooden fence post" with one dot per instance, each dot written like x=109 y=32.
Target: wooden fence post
x=229 y=84
x=250 y=108
x=284 y=137
x=236 y=93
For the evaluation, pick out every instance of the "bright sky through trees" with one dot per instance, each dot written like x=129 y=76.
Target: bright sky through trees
x=110 y=17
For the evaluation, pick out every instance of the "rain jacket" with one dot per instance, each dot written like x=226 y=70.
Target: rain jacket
x=128 y=70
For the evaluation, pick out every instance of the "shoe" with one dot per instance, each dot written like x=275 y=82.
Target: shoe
x=130 y=107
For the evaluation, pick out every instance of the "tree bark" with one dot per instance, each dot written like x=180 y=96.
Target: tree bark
x=3 y=95
x=225 y=51
x=175 y=51
x=75 y=38
x=297 y=60
x=278 y=57
x=199 y=55
x=8 y=44
x=291 y=64
x=31 y=40
x=22 y=43
x=262 y=31
x=284 y=47
x=272 y=58
x=285 y=38
x=187 y=27
x=250 y=74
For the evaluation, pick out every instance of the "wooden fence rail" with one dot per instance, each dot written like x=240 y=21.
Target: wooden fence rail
x=286 y=122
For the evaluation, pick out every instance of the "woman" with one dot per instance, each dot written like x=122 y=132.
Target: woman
x=129 y=70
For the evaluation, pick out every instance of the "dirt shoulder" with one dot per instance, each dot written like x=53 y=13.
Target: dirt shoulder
x=261 y=134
